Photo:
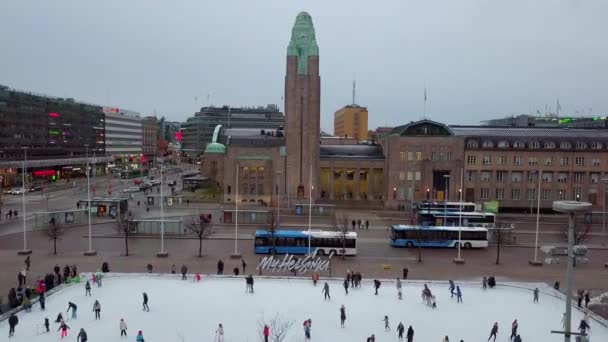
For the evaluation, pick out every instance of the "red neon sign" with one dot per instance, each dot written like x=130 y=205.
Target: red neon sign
x=178 y=135
x=44 y=173
x=54 y=115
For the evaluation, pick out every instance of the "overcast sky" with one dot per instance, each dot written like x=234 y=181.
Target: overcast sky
x=479 y=59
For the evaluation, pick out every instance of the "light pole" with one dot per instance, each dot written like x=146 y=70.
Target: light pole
x=571 y=208
x=236 y=254
x=311 y=187
x=605 y=180
x=278 y=198
x=445 y=200
x=90 y=252
x=535 y=262
x=162 y=253
x=24 y=251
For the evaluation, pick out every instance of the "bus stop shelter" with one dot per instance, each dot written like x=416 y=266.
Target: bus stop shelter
x=247 y=216
x=111 y=206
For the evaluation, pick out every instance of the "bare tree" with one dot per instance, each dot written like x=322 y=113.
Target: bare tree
x=273 y=225
x=124 y=228
x=279 y=327
x=202 y=229
x=341 y=224
x=54 y=231
x=500 y=236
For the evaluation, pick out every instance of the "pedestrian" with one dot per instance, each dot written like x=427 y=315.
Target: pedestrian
x=367 y=228
x=220 y=267
x=346 y=285
x=140 y=337
x=184 y=270
x=446 y=339
x=458 y=295
x=64 y=329
x=494 y=331
x=325 y=291
x=587 y=298
x=27 y=304
x=536 y=295
x=74 y=308
x=145 y=304
x=484 y=283
x=173 y=269
x=27 y=263
x=405 y=272
x=123 y=327
x=386 y=325
x=517 y=339
x=149 y=268
x=147 y=210
x=452 y=288
x=46 y=324
x=342 y=316
x=244 y=264
x=42 y=300
x=12 y=322
x=583 y=327
x=315 y=277
x=556 y=285
x=400 y=330
x=514 y=327
x=580 y=297
x=353 y=222
x=97 y=309
x=376 y=286
x=87 y=289
x=82 y=336
x=358 y=223
x=219 y=333
x=138 y=203
x=266 y=333
x=410 y=334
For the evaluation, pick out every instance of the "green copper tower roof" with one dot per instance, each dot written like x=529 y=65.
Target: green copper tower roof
x=303 y=43
x=214 y=146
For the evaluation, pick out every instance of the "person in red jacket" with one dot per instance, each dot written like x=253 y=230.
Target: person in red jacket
x=266 y=333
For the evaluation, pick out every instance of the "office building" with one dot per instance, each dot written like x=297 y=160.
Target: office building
x=351 y=122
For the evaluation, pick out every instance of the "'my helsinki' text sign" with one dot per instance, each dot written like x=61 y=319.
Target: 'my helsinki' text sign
x=290 y=264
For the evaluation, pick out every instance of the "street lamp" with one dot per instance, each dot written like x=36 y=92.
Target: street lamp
x=445 y=200
x=278 y=190
x=535 y=262
x=162 y=253
x=605 y=180
x=312 y=188
x=25 y=251
x=236 y=254
x=90 y=252
x=571 y=208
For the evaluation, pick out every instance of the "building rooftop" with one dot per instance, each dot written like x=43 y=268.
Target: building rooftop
x=529 y=132
x=259 y=137
x=359 y=151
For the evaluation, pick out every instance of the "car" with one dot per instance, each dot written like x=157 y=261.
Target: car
x=131 y=189
x=18 y=191
x=10 y=191
x=35 y=188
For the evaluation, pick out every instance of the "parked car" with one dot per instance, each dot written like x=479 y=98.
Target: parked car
x=131 y=189
x=10 y=191
x=18 y=191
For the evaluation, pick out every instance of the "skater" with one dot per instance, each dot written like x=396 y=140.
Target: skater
x=149 y=268
x=491 y=282
x=184 y=271
x=59 y=318
x=517 y=339
x=346 y=285
x=64 y=329
x=376 y=286
x=580 y=297
x=244 y=264
x=410 y=334
x=219 y=333
x=434 y=305
x=583 y=327
x=342 y=316
x=371 y=338
x=97 y=309
x=87 y=289
x=535 y=295
x=399 y=293
x=325 y=291
x=386 y=325
x=405 y=272
x=400 y=329
x=514 y=326
x=315 y=277
x=145 y=304
x=494 y=331
x=173 y=269
x=484 y=283
x=446 y=339
x=307 y=328
x=452 y=288
x=82 y=336
x=99 y=276
x=140 y=337
x=46 y=324
x=27 y=263
x=12 y=322
x=123 y=327
x=458 y=295
x=266 y=333
x=587 y=298
x=220 y=267
x=197 y=277
x=74 y=308
x=249 y=281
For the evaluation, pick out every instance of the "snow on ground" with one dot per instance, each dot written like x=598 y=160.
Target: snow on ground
x=185 y=311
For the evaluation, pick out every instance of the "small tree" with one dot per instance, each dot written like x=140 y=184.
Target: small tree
x=54 y=231
x=279 y=327
x=202 y=229
x=341 y=224
x=500 y=236
x=124 y=228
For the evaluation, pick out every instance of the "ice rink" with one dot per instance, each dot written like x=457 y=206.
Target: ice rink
x=184 y=311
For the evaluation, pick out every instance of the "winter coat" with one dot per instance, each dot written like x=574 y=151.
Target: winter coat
x=13 y=320
x=410 y=332
x=145 y=297
x=266 y=331
x=82 y=336
x=139 y=338
x=123 y=325
x=517 y=339
x=96 y=306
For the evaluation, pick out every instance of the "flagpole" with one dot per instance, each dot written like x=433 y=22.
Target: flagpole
x=424 y=110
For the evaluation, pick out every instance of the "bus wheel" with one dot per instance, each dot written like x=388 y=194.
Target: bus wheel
x=456 y=244
x=467 y=245
x=320 y=252
x=409 y=244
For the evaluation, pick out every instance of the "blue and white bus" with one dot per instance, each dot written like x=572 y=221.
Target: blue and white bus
x=296 y=242
x=419 y=236
x=456 y=218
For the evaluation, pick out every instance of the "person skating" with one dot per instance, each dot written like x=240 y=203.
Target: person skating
x=325 y=291
x=139 y=337
x=64 y=329
x=220 y=267
x=307 y=328
x=184 y=271
x=514 y=327
x=400 y=330
x=371 y=338
x=535 y=295
x=266 y=333
x=484 y=283
x=399 y=293
x=342 y=316
x=249 y=281
x=452 y=288
x=587 y=298
x=494 y=331
x=446 y=339
x=74 y=308
x=123 y=327
x=145 y=304
x=99 y=277
x=97 y=309
x=46 y=324
x=346 y=285
x=410 y=334
x=516 y=339
x=12 y=323
x=583 y=327
x=386 y=325
x=315 y=278
x=434 y=303
x=458 y=295
x=376 y=286
x=82 y=336
x=27 y=263
x=87 y=289
x=219 y=333
x=59 y=318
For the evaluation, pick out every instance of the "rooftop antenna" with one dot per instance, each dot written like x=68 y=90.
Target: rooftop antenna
x=354 y=90
x=424 y=108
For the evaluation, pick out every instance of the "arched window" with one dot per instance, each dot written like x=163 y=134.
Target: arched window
x=549 y=145
x=519 y=144
x=581 y=145
x=564 y=145
x=503 y=144
x=472 y=143
x=488 y=144
x=534 y=144
x=596 y=145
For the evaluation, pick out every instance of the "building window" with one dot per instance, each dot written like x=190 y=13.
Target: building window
x=434 y=156
x=578 y=193
x=402 y=175
x=472 y=144
x=516 y=160
x=500 y=194
x=580 y=145
x=503 y=144
x=531 y=194
x=532 y=161
x=561 y=194
x=471 y=159
x=579 y=177
x=417 y=175
x=486 y=175
x=487 y=144
x=546 y=195
x=534 y=144
x=579 y=161
x=410 y=156
x=516 y=176
x=471 y=176
x=245 y=189
x=563 y=161
x=565 y=145
x=519 y=144
x=402 y=156
x=515 y=194
x=596 y=145
x=484 y=193
x=410 y=175
x=418 y=155
x=486 y=160
x=548 y=161
x=532 y=176
x=261 y=189
x=594 y=177
x=502 y=160
x=562 y=177
x=228 y=189
x=595 y=162
x=501 y=176
x=549 y=145
x=547 y=177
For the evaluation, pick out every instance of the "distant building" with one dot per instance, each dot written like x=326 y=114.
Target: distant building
x=351 y=122
x=124 y=136
x=379 y=132
x=197 y=130
x=150 y=128
x=524 y=120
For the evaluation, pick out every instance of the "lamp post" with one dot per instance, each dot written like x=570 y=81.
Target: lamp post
x=89 y=252
x=445 y=200
x=236 y=254
x=312 y=188
x=605 y=180
x=162 y=253
x=24 y=251
x=535 y=262
x=278 y=198
x=571 y=208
